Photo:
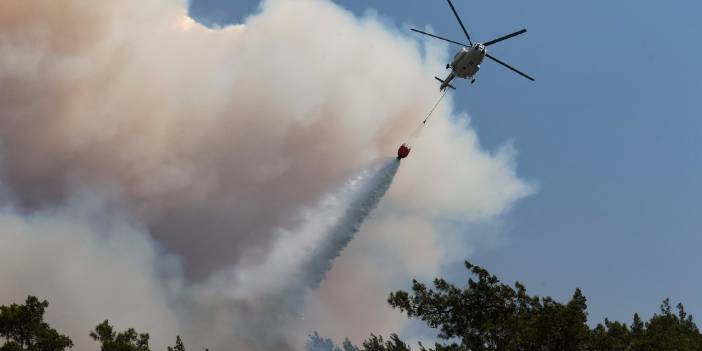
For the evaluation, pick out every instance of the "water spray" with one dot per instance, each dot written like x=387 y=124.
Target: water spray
x=316 y=245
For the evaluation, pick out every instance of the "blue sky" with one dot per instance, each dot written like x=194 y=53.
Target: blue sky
x=609 y=130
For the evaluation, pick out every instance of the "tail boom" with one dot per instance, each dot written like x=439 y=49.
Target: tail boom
x=446 y=83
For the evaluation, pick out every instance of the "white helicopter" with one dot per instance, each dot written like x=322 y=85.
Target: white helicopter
x=467 y=62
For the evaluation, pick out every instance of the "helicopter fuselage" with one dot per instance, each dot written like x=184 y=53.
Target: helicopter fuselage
x=467 y=62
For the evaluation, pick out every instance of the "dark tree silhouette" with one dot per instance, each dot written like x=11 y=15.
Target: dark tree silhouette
x=128 y=340
x=178 y=346
x=488 y=315
x=22 y=327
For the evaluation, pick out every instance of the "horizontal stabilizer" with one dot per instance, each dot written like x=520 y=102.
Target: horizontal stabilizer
x=444 y=84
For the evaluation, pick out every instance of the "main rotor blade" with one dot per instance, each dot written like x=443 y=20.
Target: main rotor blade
x=438 y=37
x=505 y=37
x=510 y=67
x=460 y=22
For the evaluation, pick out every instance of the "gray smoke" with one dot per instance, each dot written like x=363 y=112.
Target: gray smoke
x=168 y=176
x=254 y=306
x=298 y=262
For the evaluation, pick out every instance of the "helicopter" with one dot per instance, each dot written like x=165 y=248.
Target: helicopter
x=466 y=62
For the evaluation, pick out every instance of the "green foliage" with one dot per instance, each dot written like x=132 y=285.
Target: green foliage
x=664 y=331
x=22 y=327
x=488 y=315
x=348 y=346
x=376 y=343
x=128 y=340
x=318 y=343
x=178 y=346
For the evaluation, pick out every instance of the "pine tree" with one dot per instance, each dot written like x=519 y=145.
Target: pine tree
x=178 y=346
x=128 y=340
x=22 y=327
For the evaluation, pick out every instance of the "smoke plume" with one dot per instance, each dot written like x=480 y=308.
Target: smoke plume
x=297 y=263
x=157 y=172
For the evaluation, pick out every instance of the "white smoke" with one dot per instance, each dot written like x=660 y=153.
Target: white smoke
x=301 y=257
x=297 y=263
x=87 y=235
x=202 y=148
x=91 y=263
